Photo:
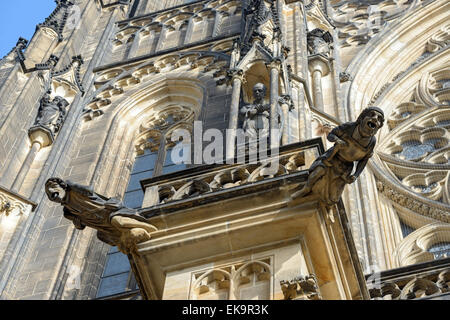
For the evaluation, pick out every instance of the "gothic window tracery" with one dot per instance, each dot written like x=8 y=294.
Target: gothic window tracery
x=243 y=281
x=153 y=150
x=419 y=139
x=415 y=151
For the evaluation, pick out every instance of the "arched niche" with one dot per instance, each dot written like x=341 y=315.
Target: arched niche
x=145 y=102
x=257 y=72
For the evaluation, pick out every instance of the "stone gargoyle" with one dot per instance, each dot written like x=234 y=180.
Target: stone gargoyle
x=116 y=224
x=354 y=143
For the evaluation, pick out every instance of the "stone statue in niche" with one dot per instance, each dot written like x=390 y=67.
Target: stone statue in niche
x=257 y=114
x=51 y=113
x=319 y=42
x=354 y=142
x=116 y=224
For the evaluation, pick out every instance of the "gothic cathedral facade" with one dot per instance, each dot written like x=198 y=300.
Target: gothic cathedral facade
x=97 y=107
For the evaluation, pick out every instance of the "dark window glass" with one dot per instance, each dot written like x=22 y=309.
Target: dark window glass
x=145 y=162
x=173 y=168
x=440 y=250
x=135 y=179
x=133 y=199
x=169 y=165
x=406 y=230
x=113 y=285
x=117 y=263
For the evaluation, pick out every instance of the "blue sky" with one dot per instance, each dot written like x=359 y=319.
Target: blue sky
x=18 y=18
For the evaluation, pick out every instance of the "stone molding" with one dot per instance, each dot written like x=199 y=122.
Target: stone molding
x=407 y=200
x=112 y=83
x=414 y=248
x=221 y=178
x=230 y=277
x=15 y=200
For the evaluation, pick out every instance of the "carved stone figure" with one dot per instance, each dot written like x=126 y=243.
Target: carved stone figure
x=51 y=113
x=116 y=224
x=319 y=42
x=257 y=114
x=354 y=142
x=301 y=288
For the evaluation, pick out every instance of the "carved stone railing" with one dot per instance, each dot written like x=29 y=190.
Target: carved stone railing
x=429 y=280
x=292 y=161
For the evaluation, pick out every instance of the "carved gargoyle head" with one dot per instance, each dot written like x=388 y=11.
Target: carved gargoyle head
x=55 y=189
x=370 y=121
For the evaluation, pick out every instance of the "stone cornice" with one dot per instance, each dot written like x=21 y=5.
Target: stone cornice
x=425 y=207
x=161 y=53
x=161 y=11
x=114 y=3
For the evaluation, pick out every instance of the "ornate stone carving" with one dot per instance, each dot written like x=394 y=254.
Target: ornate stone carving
x=14 y=204
x=319 y=42
x=5 y=207
x=415 y=154
x=224 y=177
x=358 y=22
x=301 y=288
x=344 y=77
x=354 y=142
x=444 y=281
x=71 y=73
x=257 y=114
x=52 y=113
x=415 y=248
x=256 y=14
x=414 y=205
x=112 y=83
x=116 y=224
x=404 y=286
x=227 y=282
x=439 y=40
x=287 y=100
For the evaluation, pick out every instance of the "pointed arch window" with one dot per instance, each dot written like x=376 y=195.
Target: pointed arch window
x=154 y=148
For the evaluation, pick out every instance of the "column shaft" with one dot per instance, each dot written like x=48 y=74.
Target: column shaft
x=26 y=166
x=285 y=136
x=274 y=79
x=317 y=89
x=233 y=120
